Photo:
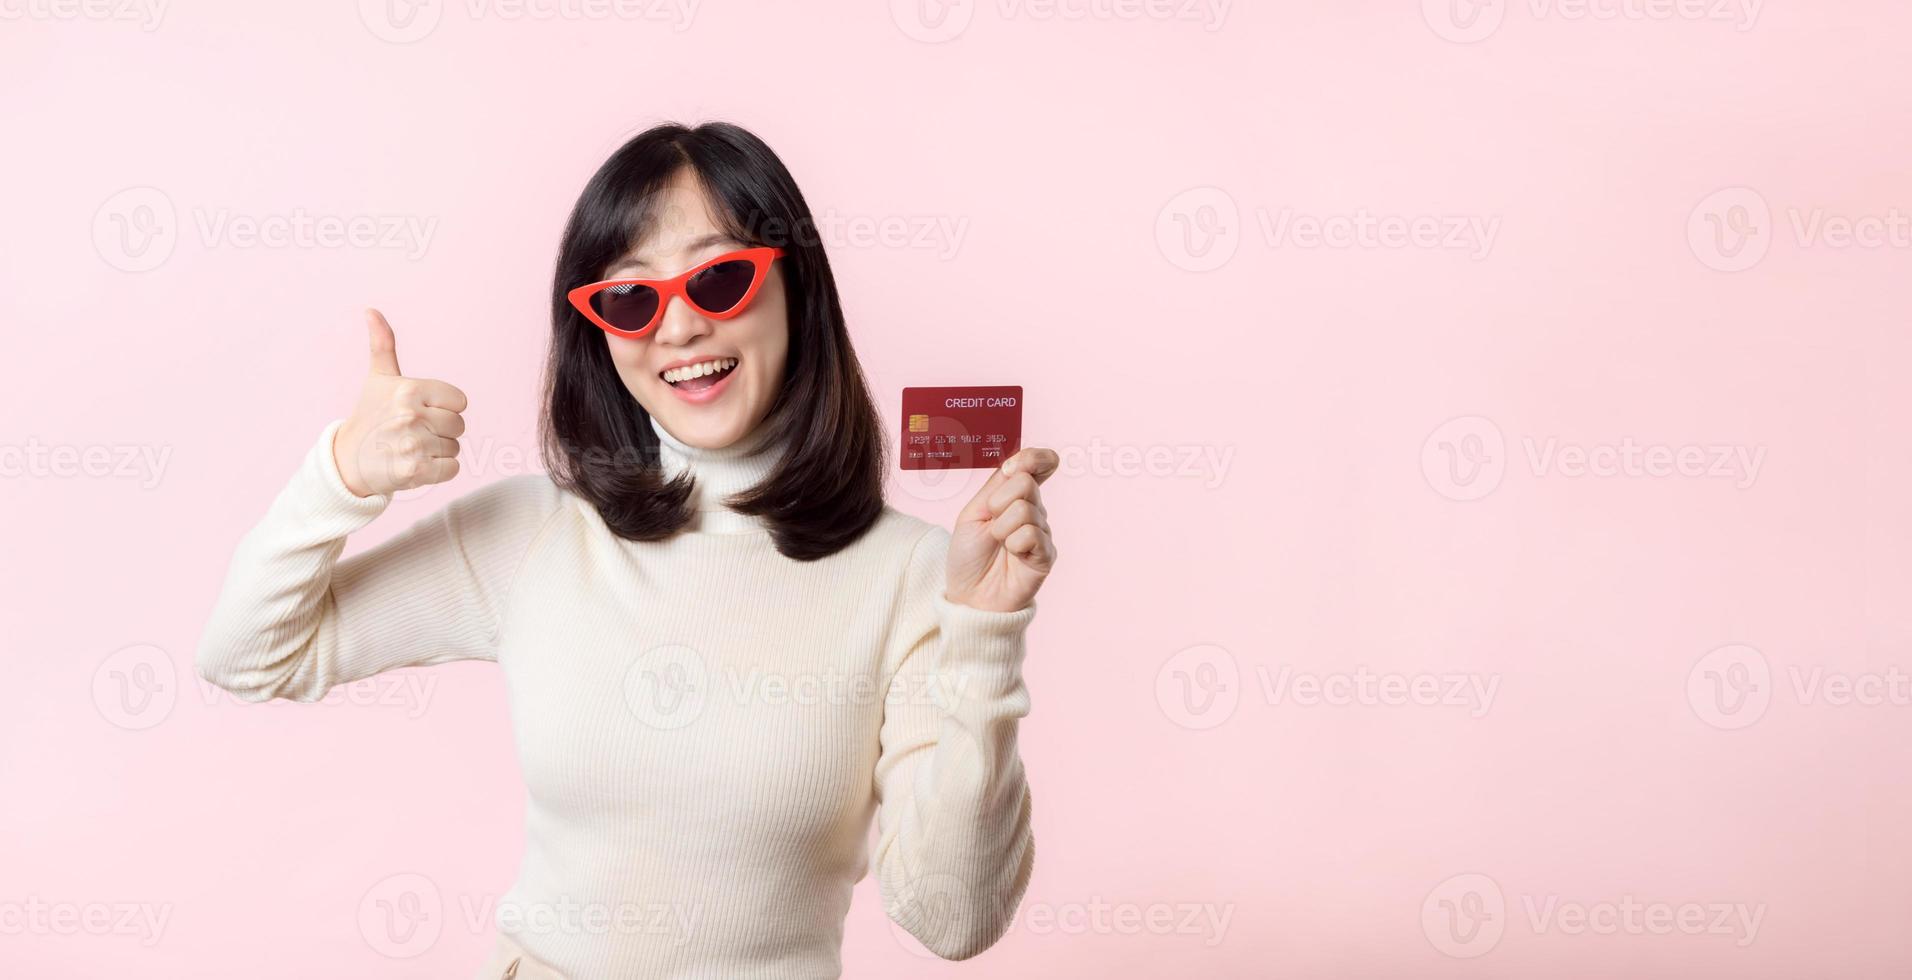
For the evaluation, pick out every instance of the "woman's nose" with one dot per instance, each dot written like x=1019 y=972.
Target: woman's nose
x=682 y=323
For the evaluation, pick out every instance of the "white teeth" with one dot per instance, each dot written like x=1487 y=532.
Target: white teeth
x=698 y=370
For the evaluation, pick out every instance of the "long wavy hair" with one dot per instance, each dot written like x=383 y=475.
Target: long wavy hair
x=596 y=439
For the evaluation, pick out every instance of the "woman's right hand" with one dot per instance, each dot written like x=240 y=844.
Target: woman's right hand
x=404 y=432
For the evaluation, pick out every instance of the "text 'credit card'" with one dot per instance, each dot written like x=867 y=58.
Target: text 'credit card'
x=956 y=428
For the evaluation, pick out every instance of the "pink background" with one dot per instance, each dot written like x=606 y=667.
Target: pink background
x=1697 y=676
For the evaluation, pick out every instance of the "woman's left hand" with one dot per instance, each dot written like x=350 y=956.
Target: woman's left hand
x=1001 y=549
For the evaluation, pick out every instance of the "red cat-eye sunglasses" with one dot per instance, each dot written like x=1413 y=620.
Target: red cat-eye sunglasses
x=720 y=289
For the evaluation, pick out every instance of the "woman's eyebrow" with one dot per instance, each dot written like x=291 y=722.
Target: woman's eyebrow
x=716 y=238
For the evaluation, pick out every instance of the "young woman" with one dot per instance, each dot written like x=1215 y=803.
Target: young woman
x=724 y=653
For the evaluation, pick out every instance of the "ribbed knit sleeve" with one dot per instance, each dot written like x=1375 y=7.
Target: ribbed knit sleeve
x=292 y=620
x=955 y=847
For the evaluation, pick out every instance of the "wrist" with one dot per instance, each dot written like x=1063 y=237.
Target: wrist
x=347 y=474
x=984 y=650
x=983 y=605
x=348 y=477
x=333 y=500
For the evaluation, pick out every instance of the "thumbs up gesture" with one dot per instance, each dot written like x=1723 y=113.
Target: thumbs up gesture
x=404 y=432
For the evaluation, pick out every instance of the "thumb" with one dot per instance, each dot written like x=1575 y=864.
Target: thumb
x=384 y=344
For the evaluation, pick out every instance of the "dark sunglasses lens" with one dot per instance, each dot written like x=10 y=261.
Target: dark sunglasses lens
x=722 y=286
x=626 y=307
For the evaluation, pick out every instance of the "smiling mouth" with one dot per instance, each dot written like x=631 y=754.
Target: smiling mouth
x=697 y=377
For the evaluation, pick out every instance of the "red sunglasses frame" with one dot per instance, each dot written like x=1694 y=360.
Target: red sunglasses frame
x=674 y=287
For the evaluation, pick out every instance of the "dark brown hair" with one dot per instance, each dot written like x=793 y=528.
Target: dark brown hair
x=596 y=438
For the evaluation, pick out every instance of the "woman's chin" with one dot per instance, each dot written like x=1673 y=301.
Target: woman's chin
x=702 y=426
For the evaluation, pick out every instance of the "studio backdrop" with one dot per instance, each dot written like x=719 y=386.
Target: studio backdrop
x=1479 y=466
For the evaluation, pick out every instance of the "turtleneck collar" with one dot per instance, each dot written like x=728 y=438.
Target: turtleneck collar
x=718 y=474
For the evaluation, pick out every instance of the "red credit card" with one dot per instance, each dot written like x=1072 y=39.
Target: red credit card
x=961 y=428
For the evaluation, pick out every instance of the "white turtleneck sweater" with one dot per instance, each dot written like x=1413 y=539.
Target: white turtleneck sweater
x=705 y=727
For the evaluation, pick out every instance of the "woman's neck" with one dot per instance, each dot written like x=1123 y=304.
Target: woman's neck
x=719 y=473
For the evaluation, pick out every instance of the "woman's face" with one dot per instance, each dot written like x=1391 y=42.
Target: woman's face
x=683 y=234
